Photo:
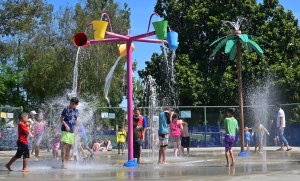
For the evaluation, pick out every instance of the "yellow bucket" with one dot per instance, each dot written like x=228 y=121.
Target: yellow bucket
x=100 y=29
x=123 y=49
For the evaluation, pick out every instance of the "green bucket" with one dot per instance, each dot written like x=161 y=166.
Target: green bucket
x=161 y=29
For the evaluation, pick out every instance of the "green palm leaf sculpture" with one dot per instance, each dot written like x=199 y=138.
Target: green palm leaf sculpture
x=233 y=44
x=230 y=43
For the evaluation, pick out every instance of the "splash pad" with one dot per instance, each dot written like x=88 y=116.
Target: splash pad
x=100 y=31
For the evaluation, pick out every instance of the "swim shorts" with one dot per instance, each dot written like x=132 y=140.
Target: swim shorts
x=228 y=142
x=67 y=137
x=22 y=150
x=163 y=140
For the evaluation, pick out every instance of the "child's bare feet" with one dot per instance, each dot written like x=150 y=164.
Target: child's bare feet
x=26 y=170
x=8 y=167
x=232 y=164
x=228 y=165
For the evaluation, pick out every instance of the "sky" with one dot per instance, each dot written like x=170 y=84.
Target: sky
x=140 y=13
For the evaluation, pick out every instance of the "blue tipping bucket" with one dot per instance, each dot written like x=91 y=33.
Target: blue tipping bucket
x=172 y=38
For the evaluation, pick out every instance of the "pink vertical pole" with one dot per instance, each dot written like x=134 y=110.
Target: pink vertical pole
x=129 y=100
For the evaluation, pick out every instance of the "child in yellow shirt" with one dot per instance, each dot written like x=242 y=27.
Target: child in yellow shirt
x=121 y=139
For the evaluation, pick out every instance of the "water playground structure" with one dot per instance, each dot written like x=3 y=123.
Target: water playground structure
x=102 y=35
x=233 y=44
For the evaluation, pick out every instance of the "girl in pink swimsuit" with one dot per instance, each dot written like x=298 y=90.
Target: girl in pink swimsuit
x=175 y=133
x=39 y=130
x=55 y=143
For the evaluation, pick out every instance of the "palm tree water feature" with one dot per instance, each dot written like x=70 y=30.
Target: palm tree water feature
x=100 y=30
x=234 y=42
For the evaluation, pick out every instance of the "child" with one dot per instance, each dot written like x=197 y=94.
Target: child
x=231 y=129
x=55 y=143
x=84 y=144
x=39 y=129
x=273 y=133
x=247 y=138
x=23 y=132
x=259 y=132
x=105 y=145
x=136 y=141
x=96 y=146
x=121 y=138
x=142 y=123
x=175 y=130
x=163 y=132
x=185 y=139
x=68 y=119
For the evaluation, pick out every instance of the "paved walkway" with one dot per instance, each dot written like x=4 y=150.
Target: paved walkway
x=202 y=164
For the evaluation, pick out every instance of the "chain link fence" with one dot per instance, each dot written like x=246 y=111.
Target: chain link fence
x=205 y=124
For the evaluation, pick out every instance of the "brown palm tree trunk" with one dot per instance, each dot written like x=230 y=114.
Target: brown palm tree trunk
x=240 y=89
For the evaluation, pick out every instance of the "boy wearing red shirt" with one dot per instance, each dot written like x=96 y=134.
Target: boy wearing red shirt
x=23 y=131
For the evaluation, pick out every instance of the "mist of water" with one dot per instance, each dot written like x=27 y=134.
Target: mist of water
x=108 y=80
x=153 y=112
x=86 y=116
x=259 y=99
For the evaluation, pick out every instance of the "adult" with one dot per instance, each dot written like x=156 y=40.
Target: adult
x=142 y=125
x=163 y=132
x=32 y=120
x=281 y=123
x=33 y=116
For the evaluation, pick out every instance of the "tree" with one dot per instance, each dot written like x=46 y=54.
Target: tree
x=38 y=53
x=204 y=81
x=18 y=22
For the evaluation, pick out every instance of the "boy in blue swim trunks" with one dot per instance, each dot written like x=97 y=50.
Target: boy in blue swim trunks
x=247 y=138
x=163 y=132
x=231 y=129
x=68 y=119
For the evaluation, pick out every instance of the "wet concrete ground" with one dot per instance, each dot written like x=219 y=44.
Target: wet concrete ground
x=202 y=164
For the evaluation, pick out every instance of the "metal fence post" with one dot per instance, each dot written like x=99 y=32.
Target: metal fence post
x=205 y=124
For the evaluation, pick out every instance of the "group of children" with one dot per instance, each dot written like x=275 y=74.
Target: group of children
x=231 y=129
x=169 y=126
x=179 y=134
x=68 y=119
x=258 y=133
x=105 y=145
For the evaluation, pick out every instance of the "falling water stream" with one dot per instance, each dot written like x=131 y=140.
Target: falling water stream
x=108 y=80
x=75 y=74
x=171 y=97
